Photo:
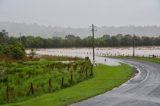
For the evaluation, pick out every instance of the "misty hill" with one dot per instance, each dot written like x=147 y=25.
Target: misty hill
x=15 y=29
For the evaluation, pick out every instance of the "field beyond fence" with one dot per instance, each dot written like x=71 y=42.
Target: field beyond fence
x=22 y=80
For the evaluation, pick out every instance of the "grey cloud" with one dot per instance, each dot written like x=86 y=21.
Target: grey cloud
x=81 y=13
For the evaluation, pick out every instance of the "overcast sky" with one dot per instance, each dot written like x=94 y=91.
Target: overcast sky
x=82 y=13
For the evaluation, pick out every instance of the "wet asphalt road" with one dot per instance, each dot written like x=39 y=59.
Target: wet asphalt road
x=142 y=90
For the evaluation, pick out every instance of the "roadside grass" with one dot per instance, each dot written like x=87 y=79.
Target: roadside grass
x=157 y=60
x=22 y=80
x=105 y=78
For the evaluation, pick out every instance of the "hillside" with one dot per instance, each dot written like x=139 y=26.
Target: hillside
x=48 y=31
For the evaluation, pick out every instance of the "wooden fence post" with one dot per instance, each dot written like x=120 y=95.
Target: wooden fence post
x=62 y=82
x=71 y=76
x=7 y=92
x=31 y=89
x=50 y=85
x=91 y=74
x=86 y=73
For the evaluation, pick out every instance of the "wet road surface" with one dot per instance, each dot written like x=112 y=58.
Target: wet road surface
x=142 y=90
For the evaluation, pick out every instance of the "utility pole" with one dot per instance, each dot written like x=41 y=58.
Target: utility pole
x=93 y=30
x=133 y=45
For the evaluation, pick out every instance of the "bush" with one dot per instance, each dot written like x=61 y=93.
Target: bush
x=17 y=52
x=14 y=51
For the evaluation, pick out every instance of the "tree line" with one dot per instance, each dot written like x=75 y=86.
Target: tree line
x=14 y=50
x=118 y=40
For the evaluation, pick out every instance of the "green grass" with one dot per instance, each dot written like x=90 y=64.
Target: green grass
x=46 y=57
x=45 y=76
x=105 y=78
x=157 y=60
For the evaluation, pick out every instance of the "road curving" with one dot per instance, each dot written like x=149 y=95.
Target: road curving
x=142 y=90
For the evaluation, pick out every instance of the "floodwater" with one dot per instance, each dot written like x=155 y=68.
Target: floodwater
x=84 y=52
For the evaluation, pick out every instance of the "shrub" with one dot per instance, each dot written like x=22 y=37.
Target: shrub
x=15 y=51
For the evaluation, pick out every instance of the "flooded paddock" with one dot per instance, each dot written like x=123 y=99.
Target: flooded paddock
x=84 y=52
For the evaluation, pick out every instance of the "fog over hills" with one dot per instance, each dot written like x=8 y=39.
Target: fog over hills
x=15 y=29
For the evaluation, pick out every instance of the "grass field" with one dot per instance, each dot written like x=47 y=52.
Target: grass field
x=105 y=78
x=157 y=60
x=36 y=58
x=27 y=79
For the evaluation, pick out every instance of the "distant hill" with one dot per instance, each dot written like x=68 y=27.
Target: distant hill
x=47 y=31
